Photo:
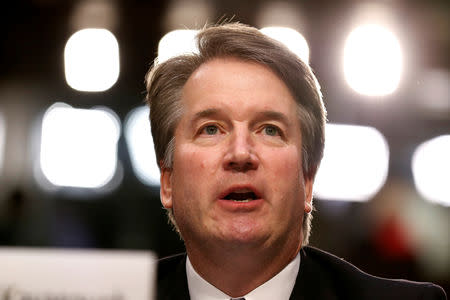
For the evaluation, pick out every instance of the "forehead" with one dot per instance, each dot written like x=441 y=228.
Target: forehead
x=235 y=82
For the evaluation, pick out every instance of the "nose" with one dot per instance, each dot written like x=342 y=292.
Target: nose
x=240 y=154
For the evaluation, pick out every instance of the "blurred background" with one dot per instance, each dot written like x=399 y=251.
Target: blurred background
x=76 y=159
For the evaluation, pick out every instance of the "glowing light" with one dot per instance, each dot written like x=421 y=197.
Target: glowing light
x=291 y=39
x=2 y=139
x=372 y=60
x=431 y=169
x=79 y=146
x=140 y=144
x=176 y=43
x=91 y=60
x=355 y=163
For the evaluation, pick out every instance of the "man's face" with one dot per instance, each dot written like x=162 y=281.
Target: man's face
x=237 y=166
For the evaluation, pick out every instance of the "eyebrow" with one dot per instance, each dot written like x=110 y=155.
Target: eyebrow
x=261 y=115
x=205 y=113
x=273 y=115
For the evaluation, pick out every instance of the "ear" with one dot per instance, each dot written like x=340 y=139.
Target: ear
x=309 y=182
x=166 y=188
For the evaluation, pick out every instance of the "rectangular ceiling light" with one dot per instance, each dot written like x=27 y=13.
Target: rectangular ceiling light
x=79 y=146
x=91 y=60
x=355 y=163
x=431 y=169
x=140 y=146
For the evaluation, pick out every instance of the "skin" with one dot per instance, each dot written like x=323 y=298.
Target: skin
x=239 y=132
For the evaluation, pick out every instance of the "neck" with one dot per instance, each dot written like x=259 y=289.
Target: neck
x=236 y=271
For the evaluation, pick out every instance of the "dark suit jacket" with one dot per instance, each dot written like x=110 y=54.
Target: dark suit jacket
x=321 y=276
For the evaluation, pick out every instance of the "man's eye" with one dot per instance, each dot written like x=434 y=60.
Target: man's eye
x=271 y=130
x=210 y=129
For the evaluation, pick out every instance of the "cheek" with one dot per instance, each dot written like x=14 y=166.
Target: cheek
x=198 y=163
x=194 y=167
x=286 y=171
x=286 y=163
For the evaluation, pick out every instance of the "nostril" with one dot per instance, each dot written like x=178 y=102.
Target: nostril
x=240 y=158
x=241 y=167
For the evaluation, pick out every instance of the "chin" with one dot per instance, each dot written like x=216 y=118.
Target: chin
x=244 y=237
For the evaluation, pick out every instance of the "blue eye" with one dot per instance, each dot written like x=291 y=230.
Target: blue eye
x=271 y=130
x=210 y=129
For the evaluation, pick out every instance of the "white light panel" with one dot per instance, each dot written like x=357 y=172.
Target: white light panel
x=79 y=146
x=291 y=39
x=372 y=60
x=91 y=59
x=431 y=169
x=355 y=163
x=176 y=43
x=140 y=145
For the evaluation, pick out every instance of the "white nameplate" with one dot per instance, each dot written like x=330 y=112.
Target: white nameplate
x=46 y=274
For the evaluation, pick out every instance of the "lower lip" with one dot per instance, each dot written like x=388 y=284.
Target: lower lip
x=240 y=205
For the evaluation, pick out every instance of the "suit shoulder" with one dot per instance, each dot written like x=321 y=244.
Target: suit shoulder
x=353 y=283
x=172 y=280
x=167 y=265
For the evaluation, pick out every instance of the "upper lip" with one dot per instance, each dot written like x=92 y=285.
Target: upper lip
x=240 y=189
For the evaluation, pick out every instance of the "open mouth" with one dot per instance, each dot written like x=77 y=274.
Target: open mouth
x=241 y=196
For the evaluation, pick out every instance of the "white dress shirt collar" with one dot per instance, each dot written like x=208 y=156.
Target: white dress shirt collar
x=278 y=287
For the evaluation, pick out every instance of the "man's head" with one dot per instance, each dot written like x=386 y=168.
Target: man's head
x=224 y=47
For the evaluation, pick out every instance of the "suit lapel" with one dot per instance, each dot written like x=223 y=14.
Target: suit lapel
x=311 y=284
